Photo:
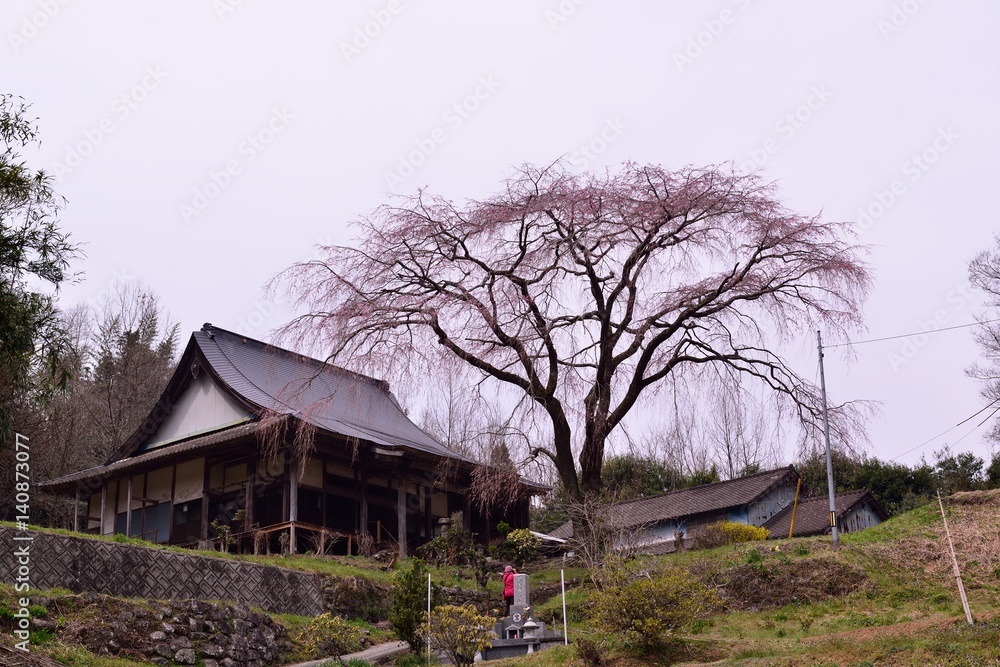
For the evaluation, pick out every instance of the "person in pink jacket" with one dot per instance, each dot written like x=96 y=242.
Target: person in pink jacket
x=508 y=589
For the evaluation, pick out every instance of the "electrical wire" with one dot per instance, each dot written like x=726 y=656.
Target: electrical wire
x=972 y=416
x=909 y=335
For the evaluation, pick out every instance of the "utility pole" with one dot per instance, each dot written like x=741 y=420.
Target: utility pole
x=829 y=455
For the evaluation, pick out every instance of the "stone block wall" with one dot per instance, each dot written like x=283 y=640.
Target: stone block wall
x=123 y=570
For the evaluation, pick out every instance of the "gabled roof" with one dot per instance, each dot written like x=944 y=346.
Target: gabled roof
x=262 y=377
x=683 y=503
x=563 y=532
x=812 y=516
x=713 y=497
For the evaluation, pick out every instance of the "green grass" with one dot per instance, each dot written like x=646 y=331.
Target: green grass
x=74 y=656
x=902 y=616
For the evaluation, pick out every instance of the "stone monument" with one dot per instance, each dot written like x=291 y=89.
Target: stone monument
x=521 y=632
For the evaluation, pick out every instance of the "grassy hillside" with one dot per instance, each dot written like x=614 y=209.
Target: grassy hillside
x=887 y=597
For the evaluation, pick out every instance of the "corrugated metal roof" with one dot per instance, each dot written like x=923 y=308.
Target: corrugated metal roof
x=329 y=397
x=699 y=499
x=812 y=516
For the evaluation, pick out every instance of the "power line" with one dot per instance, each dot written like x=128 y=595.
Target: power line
x=915 y=333
x=972 y=416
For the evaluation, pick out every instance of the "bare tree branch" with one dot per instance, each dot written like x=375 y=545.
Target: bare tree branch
x=584 y=293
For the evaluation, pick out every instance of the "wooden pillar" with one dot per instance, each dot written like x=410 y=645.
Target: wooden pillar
x=104 y=505
x=251 y=483
x=401 y=517
x=204 y=506
x=363 y=510
x=293 y=502
x=428 y=519
x=76 y=511
x=128 y=509
x=173 y=494
x=142 y=503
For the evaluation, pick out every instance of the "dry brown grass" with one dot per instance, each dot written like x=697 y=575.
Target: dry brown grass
x=974 y=521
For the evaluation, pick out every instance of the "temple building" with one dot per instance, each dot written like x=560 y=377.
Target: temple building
x=224 y=447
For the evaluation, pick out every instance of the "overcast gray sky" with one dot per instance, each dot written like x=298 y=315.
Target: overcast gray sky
x=204 y=146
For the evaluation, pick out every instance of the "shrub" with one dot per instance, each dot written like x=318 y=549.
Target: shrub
x=589 y=651
x=647 y=605
x=412 y=660
x=729 y=532
x=755 y=558
x=456 y=546
x=329 y=635
x=225 y=534
x=523 y=544
x=459 y=631
x=504 y=529
x=409 y=603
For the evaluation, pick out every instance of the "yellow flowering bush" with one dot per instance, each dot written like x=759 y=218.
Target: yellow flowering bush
x=647 y=605
x=729 y=532
x=328 y=635
x=459 y=631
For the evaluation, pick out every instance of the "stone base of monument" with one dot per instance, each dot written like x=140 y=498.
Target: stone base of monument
x=519 y=634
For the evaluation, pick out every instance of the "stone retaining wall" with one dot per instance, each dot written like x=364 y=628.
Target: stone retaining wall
x=123 y=570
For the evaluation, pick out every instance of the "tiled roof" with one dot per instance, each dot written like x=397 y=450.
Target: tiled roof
x=699 y=499
x=263 y=377
x=563 y=532
x=194 y=444
x=812 y=516
x=695 y=500
x=332 y=398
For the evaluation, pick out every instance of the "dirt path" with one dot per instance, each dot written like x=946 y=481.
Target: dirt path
x=370 y=654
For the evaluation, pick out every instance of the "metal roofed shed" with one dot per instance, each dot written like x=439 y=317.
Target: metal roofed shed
x=856 y=510
x=660 y=520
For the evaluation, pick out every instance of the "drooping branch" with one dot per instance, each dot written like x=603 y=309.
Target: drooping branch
x=583 y=293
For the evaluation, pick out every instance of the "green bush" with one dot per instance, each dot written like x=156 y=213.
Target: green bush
x=409 y=603
x=504 y=529
x=456 y=546
x=646 y=605
x=412 y=660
